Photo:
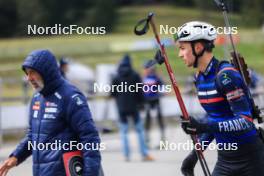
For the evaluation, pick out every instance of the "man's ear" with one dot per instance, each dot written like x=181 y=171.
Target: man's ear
x=198 y=47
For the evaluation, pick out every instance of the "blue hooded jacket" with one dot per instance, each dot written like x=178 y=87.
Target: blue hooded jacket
x=59 y=114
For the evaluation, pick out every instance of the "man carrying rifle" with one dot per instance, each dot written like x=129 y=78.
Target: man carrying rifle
x=224 y=96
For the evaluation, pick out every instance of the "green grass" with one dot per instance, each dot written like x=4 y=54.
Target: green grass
x=109 y=48
x=169 y=15
x=93 y=52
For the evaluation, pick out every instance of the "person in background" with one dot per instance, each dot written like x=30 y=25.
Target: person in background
x=64 y=66
x=128 y=104
x=152 y=93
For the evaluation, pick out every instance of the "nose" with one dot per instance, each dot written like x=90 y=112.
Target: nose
x=180 y=54
x=29 y=77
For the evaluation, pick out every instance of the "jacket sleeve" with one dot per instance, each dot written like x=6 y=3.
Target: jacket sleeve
x=23 y=150
x=230 y=84
x=205 y=139
x=80 y=120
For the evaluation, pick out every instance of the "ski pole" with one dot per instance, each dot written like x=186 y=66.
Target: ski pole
x=164 y=59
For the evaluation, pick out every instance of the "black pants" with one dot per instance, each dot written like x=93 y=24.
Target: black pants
x=248 y=161
x=153 y=104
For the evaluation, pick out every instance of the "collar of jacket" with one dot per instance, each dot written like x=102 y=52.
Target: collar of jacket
x=51 y=87
x=211 y=67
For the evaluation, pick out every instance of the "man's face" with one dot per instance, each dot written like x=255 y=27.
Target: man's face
x=34 y=79
x=148 y=71
x=185 y=53
x=65 y=68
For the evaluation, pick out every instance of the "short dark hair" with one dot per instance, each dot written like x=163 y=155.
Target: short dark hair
x=63 y=61
x=208 y=45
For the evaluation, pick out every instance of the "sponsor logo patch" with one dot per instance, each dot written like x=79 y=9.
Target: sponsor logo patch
x=51 y=104
x=36 y=107
x=49 y=116
x=35 y=114
x=77 y=99
x=51 y=110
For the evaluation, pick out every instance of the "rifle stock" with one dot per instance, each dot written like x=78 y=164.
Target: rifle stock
x=239 y=62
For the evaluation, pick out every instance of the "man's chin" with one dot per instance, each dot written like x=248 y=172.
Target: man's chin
x=37 y=89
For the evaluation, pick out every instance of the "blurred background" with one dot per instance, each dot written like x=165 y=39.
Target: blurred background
x=94 y=58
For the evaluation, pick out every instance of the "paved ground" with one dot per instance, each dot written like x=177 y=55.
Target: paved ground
x=167 y=163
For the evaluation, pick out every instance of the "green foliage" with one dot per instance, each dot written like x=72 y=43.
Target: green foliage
x=104 y=14
x=253 y=12
x=15 y=15
x=65 y=12
x=26 y=15
x=8 y=18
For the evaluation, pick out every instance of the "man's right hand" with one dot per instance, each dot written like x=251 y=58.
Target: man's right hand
x=188 y=164
x=7 y=164
x=194 y=126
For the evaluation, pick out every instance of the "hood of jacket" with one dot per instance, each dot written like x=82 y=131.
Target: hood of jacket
x=44 y=62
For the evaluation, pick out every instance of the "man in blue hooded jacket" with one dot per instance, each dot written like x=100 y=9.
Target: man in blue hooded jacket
x=58 y=114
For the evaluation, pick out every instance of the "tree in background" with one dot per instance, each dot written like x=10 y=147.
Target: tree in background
x=8 y=18
x=15 y=15
x=253 y=12
x=64 y=12
x=29 y=12
x=103 y=13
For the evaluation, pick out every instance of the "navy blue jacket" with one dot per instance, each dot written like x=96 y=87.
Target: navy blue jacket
x=59 y=112
x=150 y=80
x=224 y=97
x=127 y=101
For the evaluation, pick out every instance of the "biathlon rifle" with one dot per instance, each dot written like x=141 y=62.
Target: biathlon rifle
x=238 y=61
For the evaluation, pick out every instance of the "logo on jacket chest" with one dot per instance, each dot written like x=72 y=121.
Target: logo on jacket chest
x=51 y=104
x=51 y=107
x=36 y=105
x=50 y=113
x=51 y=110
x=36 y=108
